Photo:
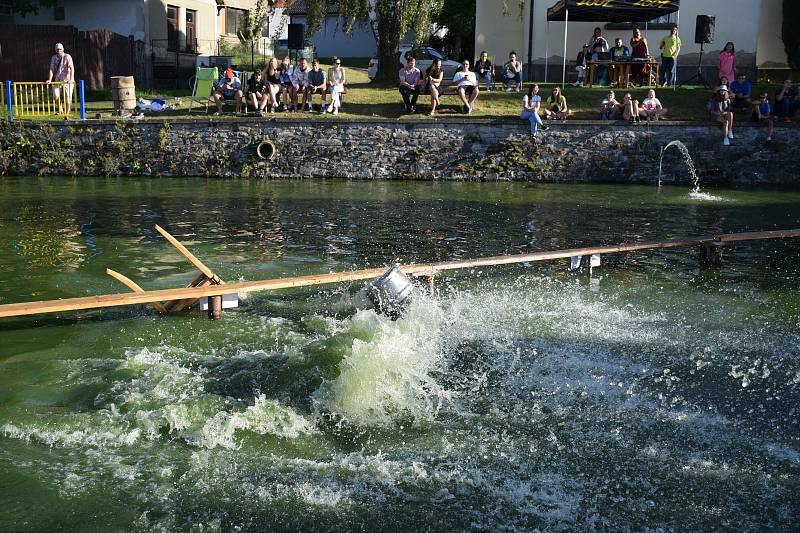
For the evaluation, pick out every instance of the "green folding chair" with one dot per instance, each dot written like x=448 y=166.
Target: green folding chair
x=204 y=80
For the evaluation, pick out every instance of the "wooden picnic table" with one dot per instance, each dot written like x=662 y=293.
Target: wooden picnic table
x=622 y=70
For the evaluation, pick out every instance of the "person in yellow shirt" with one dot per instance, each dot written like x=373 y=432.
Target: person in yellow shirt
x=670 y=48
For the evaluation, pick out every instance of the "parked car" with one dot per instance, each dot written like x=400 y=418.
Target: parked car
x=424 y=56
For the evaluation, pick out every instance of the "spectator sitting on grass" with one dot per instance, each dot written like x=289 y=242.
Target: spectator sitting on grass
x=762 y=112
x=630 y=108
x=742 y=91
x=316 y=82
x=725 y=115
x=287 y=88
x=609 y=107
x=512 y=73
x=300 y=85
x=467 y=86
x=651 y=106
x=531 y=103
x=433 y=79
x=483 y=70
x=409 y=84
x=229 y=87
x=556 y=105
x=787 y=101
x=273 y=84
x=257 y=92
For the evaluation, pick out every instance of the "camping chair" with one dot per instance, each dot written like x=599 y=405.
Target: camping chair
x=204 y=80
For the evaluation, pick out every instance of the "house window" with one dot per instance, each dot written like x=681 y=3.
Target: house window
x=236 y=19
x=191 y=30
x=172 y=28
x=58 y=13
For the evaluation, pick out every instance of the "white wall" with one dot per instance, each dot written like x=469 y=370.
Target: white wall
x=771 y=51
x=125 y=17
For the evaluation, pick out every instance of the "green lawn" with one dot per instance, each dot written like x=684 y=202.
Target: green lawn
x=365 y=100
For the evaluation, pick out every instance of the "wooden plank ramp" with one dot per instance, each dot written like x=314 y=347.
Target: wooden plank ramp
x=147 y=297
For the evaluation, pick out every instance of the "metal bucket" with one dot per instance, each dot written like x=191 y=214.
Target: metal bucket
x=389 y=292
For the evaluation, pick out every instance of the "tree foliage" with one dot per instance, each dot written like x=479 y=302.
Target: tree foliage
x=791 y=32
x=390 y=21
x=24 y=7
x=457 y=17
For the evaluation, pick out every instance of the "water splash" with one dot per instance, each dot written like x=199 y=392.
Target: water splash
x=689 y=163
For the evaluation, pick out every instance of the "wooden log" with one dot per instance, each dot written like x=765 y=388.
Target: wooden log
x=112 y=300
x=132 y=285
x=188 y=255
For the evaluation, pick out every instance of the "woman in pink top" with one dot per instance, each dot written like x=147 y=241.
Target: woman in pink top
x=727 y=58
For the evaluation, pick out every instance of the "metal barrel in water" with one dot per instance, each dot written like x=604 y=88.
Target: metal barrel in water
x=390 y=292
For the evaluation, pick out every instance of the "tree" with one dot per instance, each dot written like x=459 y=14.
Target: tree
x=31 y=6
x=791 y=32
x=457 y=17
x=390 y=20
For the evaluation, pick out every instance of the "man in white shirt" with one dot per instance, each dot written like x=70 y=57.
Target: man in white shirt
x=467 y=86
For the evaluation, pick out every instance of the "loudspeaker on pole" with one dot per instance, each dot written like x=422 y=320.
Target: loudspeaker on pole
x=704 y=29
x=296 y=36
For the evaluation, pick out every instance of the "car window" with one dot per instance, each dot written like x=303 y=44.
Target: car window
x=434 y=54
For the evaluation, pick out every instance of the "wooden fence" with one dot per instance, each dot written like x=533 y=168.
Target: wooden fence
x=25 y=53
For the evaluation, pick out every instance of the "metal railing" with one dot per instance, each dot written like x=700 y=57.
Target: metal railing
x=36 y=99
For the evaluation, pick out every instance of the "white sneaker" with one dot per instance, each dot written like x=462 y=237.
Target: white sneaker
x=726 y=142
x=509 y=89
x=335 y=110
x=576 y=84
x=330 y=108
x=517 y=88
x=730 y=134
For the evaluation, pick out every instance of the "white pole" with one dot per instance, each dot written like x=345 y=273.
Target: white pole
x=547 y=51
x=564 y=68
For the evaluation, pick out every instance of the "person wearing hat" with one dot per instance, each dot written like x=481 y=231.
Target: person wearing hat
x=580 y=65
x=62 y=69
x=229 y=87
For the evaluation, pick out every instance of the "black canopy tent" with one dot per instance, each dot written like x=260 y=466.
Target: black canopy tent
x=606 y=11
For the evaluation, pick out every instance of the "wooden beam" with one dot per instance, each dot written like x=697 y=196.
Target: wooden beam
x=112 y=300
x=132 y=285
x=188 y=255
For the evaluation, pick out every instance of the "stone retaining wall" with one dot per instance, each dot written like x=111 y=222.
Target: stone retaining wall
x=579 y=151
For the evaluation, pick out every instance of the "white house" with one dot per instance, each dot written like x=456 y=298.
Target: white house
x=331 y=40
x=753 y=26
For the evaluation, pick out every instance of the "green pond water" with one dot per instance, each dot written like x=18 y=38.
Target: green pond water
x=657 y=396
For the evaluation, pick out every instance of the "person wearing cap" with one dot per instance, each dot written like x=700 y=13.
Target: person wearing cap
x=724 y=114
x=229 y=87
x=580 y=65
x=62 y=69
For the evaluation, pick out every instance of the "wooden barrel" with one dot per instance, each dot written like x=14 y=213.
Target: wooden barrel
x=123 y=92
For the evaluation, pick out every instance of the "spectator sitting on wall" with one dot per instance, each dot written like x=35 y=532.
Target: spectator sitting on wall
x=512 y=73
x=609 y=107
x=580 y=65
x=300 y=85
x=556 y=105
x=409 y=84
x=467 y=86
x=316 y=81
x=713 y=101
x=762 y=112
x=742 y=90
x=725 y=115
x=287 y=88
x=229 y=87
x=257 y=92
x=630 y=108
x=273 y=79
x=787 y=101
x=62 y=69
x=483 y=70
x=433 y=79
x=651 y=106
x=531 y=103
